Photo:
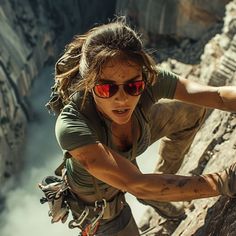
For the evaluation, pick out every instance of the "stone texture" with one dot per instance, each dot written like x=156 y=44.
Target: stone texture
x=214 y=147
x=32 y=33
x=181 y=18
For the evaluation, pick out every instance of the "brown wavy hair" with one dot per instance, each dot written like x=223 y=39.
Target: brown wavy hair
x=80 y=65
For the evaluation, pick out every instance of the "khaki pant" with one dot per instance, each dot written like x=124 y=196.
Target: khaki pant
x=177 y=124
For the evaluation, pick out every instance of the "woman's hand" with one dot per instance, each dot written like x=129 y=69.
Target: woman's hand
x=227 y=181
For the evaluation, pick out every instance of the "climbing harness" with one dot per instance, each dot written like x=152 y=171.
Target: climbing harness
x=60 y=199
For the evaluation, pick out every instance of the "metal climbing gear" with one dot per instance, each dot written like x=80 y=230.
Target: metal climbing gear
x=55 y=190
x=78 y=222
x=89 y=227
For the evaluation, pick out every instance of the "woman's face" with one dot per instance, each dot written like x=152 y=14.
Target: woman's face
x=118 y=108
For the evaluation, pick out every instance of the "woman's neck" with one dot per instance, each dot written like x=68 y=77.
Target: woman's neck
x=121 y=136
x=119 y=127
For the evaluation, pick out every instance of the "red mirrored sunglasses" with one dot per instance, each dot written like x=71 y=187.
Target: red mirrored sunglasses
x=107 y=90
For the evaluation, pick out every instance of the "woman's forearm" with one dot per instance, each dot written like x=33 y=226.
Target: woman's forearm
x=163 y=187
x=121 y=174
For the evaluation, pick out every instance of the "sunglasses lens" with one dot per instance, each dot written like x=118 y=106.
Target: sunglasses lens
x=105 y=90
x=135 y=88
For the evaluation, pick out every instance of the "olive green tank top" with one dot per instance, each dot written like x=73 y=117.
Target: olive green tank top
x=76 y=128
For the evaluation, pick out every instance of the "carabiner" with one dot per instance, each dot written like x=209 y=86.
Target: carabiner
x=98 y=203
x=100 y=215
x=78 y=222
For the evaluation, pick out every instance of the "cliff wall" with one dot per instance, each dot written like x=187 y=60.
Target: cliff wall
x=214 y=147
x=179 y=18
x=32 y=34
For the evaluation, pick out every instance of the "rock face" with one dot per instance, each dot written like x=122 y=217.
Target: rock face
x=214 y=147
x=32 y=34
x=180 y=18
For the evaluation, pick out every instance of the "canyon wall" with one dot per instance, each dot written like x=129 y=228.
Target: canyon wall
x=179 y=18
x=32 y=34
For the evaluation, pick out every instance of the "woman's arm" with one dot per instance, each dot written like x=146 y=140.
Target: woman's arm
x=115 y=170
x=223 y=98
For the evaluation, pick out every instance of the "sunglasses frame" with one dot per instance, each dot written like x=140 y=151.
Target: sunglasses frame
x=118 y=85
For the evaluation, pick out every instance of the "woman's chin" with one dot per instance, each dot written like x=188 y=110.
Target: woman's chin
x=121 y=120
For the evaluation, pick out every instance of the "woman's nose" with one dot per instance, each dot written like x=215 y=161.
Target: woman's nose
x=121 y=95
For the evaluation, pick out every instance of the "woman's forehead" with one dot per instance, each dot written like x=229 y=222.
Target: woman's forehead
x=120 y=65
x=121 y=61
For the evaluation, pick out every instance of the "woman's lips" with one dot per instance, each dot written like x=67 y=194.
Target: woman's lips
x=121 y=111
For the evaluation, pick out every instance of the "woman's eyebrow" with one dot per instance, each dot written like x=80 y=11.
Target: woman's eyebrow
x=103 y=80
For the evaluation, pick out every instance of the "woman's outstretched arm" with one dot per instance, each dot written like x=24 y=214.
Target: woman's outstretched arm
x=117 y=171
x=223 y=97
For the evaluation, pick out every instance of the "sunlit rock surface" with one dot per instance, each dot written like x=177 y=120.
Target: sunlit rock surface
x=214 y=147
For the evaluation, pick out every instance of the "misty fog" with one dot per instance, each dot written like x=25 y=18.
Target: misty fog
x=23 y=214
